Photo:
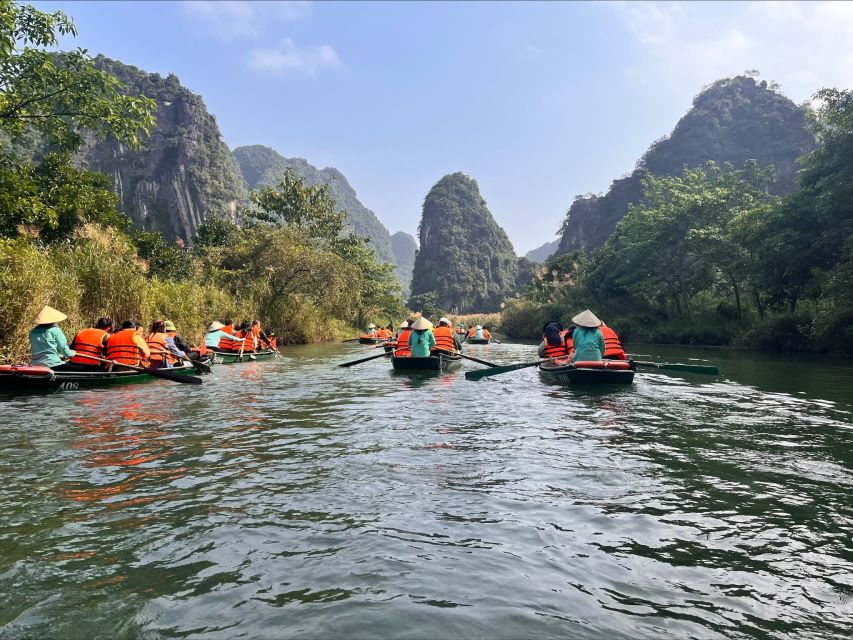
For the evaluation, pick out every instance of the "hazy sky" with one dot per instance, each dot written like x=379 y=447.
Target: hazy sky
x=536 y=101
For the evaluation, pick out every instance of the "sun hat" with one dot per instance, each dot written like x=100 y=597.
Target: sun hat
x=479 y=326
x=371 y=326
x=170 y=326
x=586 y=319
x=445 y=321
x=215 y=326
x=49 y=315
x=421 y=324
x=404 y=325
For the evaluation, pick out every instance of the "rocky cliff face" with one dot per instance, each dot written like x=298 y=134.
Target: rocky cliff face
x=465 y=259
x=185 y=172
x=541 y=254
x=733 y=120
x=263 y=167
x=405 y=248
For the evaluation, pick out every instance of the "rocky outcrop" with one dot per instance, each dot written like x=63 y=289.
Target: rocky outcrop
x=405 y=247
x=263 y=166
x=465 y=259
x=184 y=173
x=541 y=254
x=733 y=120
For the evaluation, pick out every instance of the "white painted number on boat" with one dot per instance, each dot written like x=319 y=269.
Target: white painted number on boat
x=69 y=386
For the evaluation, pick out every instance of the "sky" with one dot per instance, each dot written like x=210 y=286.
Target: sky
x=538 y=102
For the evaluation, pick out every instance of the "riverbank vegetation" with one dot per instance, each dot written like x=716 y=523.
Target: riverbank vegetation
x=710 y=257
x=63 y=240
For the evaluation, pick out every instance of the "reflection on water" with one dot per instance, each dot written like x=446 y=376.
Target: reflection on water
x=296 y=497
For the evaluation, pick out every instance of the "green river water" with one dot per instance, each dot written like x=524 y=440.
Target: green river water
x=297 y=499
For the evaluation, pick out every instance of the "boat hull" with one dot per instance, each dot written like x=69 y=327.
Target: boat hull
x=52 y=381
x=363 y=340
x=220 y=357
x=429 y=363
x=605 y=372
x=478 y=340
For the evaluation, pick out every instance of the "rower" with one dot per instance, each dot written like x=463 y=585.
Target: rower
x=421 y=339
x=371 y=330
x=47 y=342
x=587 y=337
x=91 y=342
x=261 y=338
x=214 y=334
x=472 y=332
x=445 y=336
x=478 y=332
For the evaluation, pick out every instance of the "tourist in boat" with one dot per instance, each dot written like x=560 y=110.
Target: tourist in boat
x=555 y=341
x=612 y=346
x=478 y=332
x=161 y=354
x=472 y=331
x=403 y=339
x=176 y=339
x=587 y=338
x=214 y=334
x=126 y=346
x=91 y=342
x=371 y=330
x=421 y=340
x=404 y=326
x=47 y=342
x=227 y=340
x=261 y=338
x=445 y=336
x=486 y=334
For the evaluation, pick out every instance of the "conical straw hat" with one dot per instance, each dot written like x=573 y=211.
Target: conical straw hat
x=404 y=325
x=586 y=319
x=421 y=323
x=49 y=315
x=215 y=326
x=371 y=326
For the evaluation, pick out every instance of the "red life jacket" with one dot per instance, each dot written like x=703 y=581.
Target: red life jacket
x=562 y=349
x=444 y=338
x=403 y=348
x=122 y=348
x=612 y=346
x=158 y=348
x=226 y=343
x=88 y=342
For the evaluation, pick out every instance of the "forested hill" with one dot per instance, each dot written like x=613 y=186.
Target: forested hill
x=733 y=120
x=466 y=260
x=184 y=172
x=405 y=247
x=263 y=166
x=541 y=254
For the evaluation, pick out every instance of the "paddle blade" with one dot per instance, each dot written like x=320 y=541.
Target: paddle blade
x=351 y=363
x=482 y=373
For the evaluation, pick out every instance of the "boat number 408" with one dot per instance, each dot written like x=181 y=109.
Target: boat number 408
x=69 y=386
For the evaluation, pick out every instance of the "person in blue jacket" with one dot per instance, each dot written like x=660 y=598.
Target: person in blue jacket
x=587 y=338
x=47 y=342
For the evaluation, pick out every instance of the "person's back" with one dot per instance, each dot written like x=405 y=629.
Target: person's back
x=554 y=344
x=403 y=350
x=486 y=334
x=479 y=333
x=214 y=335
x=226 y=340
x=47 y=341
x=89 y=342
x=125 y=346
x=612 y=346
x=445 y=337
x=588 y=343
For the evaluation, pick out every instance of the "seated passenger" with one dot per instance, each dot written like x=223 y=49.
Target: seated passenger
x=612 y=346
x=445 y=337
x=421 y=339
x=554 y=343
x=160 y=354
x=126 y=345
x=92 y=343
x=587 y=338
x=47 y=342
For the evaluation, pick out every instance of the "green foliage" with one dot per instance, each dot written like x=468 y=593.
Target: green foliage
x=58 y=93
x=464 y=257
x=165 y=260
x=216 y=232
x=427 y=305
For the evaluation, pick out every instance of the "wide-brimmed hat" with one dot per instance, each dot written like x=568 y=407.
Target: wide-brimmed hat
x=170 y=326
x=479 y=326
x=404 y=325
x=215 y=326
x=586 y=319
x=49 y=315
x=371 y=326
x=421 y=324
x=445 y=321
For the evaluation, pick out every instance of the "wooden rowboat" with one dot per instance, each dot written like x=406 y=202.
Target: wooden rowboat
x=589 y=372
x=368 y=340
x=22 y=379
x=428 y=363
x=390 y=345
x=478 y=340
x=231 y=357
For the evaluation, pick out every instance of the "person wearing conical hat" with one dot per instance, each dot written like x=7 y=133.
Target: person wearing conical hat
x=371 y=330
x=478 y=332
x=587 y=338
x=47 y=342
x=421 y=340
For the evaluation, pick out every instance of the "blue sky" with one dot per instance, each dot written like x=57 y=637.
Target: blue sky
x=538 y=102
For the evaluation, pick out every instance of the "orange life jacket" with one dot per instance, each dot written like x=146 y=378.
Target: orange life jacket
x=612 y=346
x=444 y=338
x=561 y=349
x=226 y=343
x=122 y=348
x=472 y=333
x=248 y=346
x=159 y=349
x=88 y=342
x=403 y=349
x=486 y=334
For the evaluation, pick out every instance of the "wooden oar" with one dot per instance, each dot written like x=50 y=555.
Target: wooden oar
x=482 y=373
x=675 y=366
x=157 y=373
x=352 y=362
x=457 y=353
x=199 y=365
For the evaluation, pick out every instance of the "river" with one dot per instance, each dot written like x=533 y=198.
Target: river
x=297 y=498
